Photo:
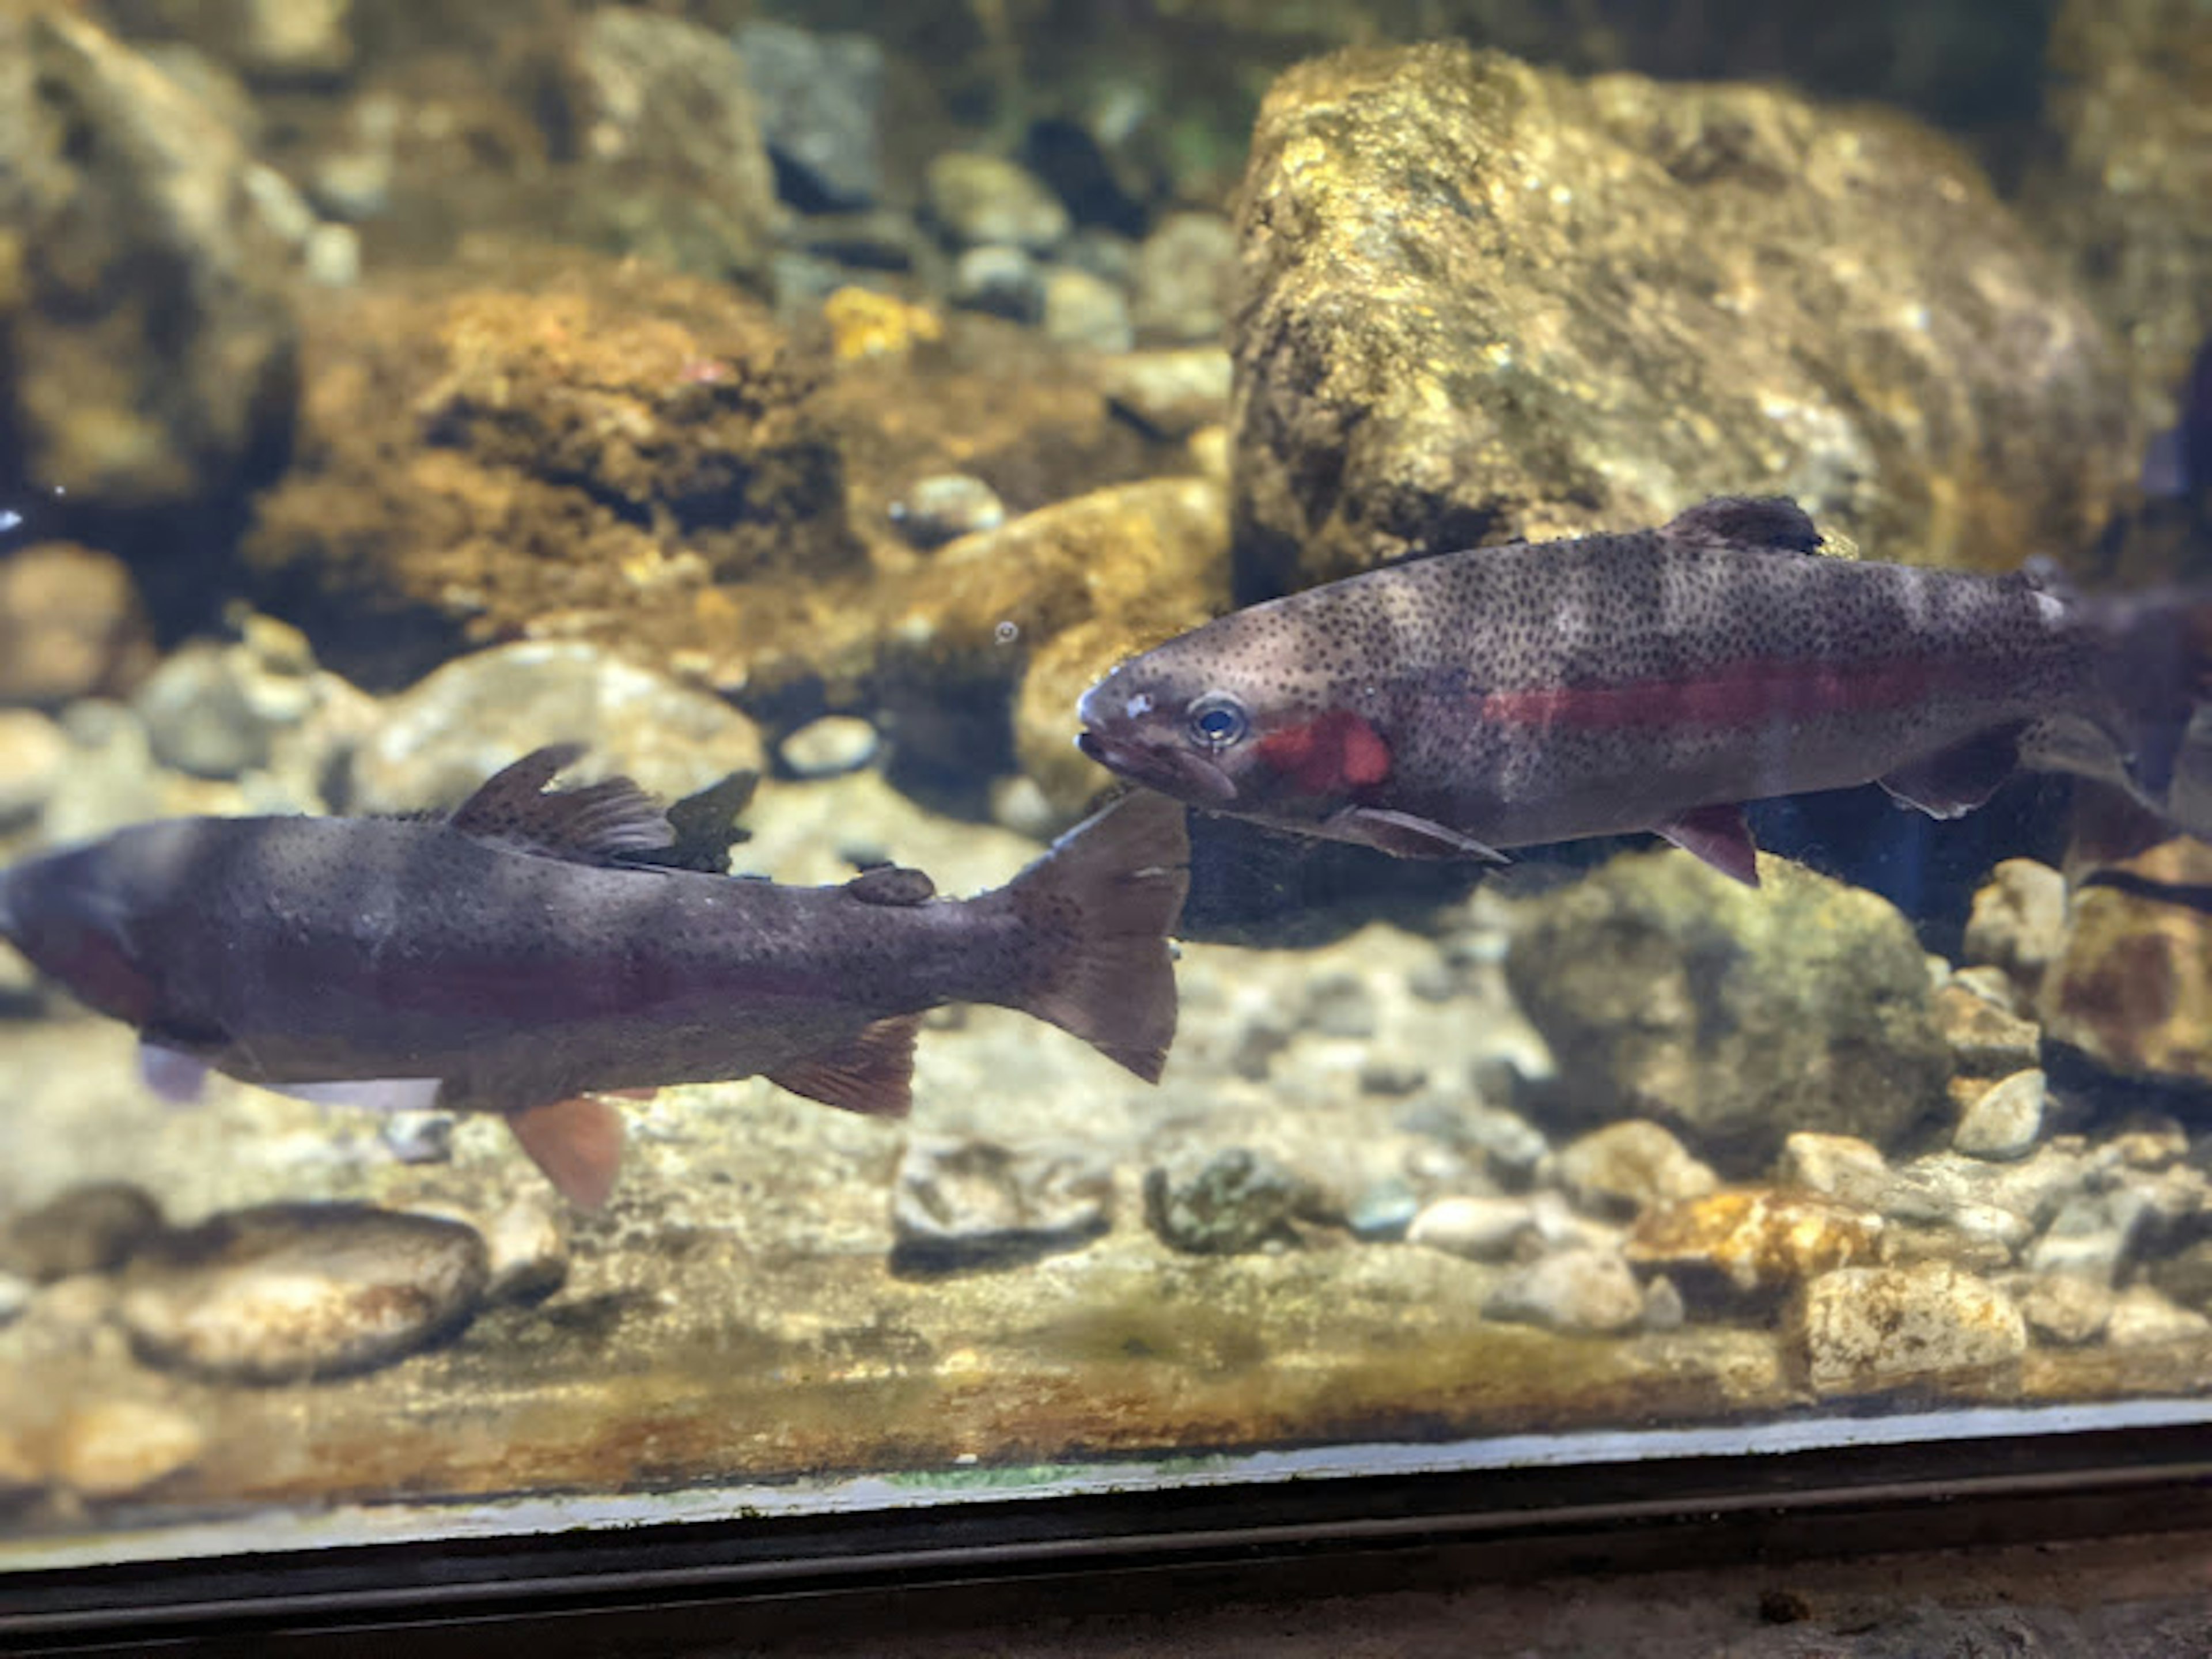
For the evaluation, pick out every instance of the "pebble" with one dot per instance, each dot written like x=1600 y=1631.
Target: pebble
x=2003 y=1124
x=1391 y=1075
x=1986 y=1038
x=287 y=1292
x=945 y=507
x=1002 y=280
x=977 y=198
x=2067 y=1310
x=1577 y=1290
x=525 y=1252
x=1171 y=393
x=1340 y=1005
x=1663 y=1307
x=1749 y=1241
x=1184 y=268
x=821 y=103
x=200 y=715
x=71 y=625
x=2018 y=922
x=32 y=751
x=1839 y=1166
x=1384 y=1211
x=963 y=1203
x=1626 y=1166
x=15 y=1293
x=1864 y=1330
x=1479 y=1229
x=828 y=747
x=1234 y=1201
x=2091 y=1234
x=113 y=1448
x=2142 y=1317
x=91 y=1229
x=1085 y=311
x=425 y=1137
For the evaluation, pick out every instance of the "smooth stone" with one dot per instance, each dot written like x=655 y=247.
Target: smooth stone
x=965 y=1203
x=945 y=507
x=2142 y=1317
x=828 y=747
x=977 y=198
x=2067 y=1310
x=1184 y=270
x=1663 y=1307
x=32 y=751
x=1171 y=392
x=1002 y=280
x=1480 y=1229
x=1385 y=1074
x=1384 y=1211
x=525 y=1252
x=15 y=1294
x=1864 y=1330
x=1838 y=1166
x=2092 y=1233
x=2003 y=1124
x=112 y=1448
x=1577 y=1290
x=1085 y=311
x=91 y=1229
x=291 y=1291
x=1626 y=1166
x=1234 y=1201
x=2018 y=925
x=71 y=625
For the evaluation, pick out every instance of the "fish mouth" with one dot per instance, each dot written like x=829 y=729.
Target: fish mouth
x=1176 y=772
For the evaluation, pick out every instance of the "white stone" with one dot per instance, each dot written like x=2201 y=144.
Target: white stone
x=2003 y=1124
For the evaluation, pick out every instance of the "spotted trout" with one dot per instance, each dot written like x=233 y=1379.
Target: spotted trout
x=1460 y=704
x=515 y=957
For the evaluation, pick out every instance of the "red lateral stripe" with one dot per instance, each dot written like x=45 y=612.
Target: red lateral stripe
x=1747 y=693
x=1337 y=751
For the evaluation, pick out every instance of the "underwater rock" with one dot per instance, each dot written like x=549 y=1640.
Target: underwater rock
x=1000 y=279
x=33 y=750
x=673 y=168
x=976 y=1203
x=2092 y=1234
x=1384 y=1211
x=1737 y=1016
x=111 y=1449
x=1985 y=1037
x=2132 y=986
x=91 y=1229
x=1085 y=310
x=820 y=98
x=1225 y=1203
x=977 y=199
x=71 y=626
x=2019 y=923
x=2065 y=1310
x=1750 y=1242
x=525 y=1252
x=1625 y=1168
x=1184 y=273
x=2186 y=1276
x=945 y=507
x=1170 y=394
x=119 y=195
x=2130 y=93
x=591 y=453
x=828 y=746
x=278 y=43
x=418 y=1136
x=2004 y=1120
x=1581 y=1291
x=1837 y=1166
x=1864 y=1330
x=291 y=1291
x=15 y=1294
x=1482 y=301
x=1479 y=1229
x=214 y=710
x=2142 y=1318
x=444 y=736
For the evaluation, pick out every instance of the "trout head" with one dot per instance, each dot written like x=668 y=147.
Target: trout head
x=78 y=915
x=1239 y=716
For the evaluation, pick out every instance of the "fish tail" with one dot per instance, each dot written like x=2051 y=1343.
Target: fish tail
x=1098 y=908
x=2157 y=673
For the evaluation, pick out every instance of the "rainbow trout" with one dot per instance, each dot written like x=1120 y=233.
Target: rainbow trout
x=515 y=957
x=1455 y=705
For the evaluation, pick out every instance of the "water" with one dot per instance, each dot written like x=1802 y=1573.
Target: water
x=509 y=407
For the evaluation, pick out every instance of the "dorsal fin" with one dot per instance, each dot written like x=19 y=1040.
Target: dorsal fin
x=590 y=825
x=1774 y=522
x=873 y=1074
x=705 y=828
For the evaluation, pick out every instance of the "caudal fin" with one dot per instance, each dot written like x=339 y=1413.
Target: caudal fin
x=2160 y=674
x=1099 y=907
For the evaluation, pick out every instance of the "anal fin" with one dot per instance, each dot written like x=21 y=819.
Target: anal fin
x=873 y=1073
x=1954 y=781
x=1403 y=834
x=577 y=1143
x=1718 y=835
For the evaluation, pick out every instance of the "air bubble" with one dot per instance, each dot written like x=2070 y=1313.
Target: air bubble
x=1006 y=633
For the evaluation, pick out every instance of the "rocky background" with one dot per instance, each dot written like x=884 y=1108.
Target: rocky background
x=833 y=393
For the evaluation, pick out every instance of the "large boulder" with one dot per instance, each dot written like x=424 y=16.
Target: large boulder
x=2132 y=986
x=1478 y=301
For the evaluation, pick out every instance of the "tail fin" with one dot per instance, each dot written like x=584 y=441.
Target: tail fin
x=2160 y=674
x=1099 y=907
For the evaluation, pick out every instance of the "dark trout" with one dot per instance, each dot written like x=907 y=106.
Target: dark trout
x=1506 y=696
x=515 y=957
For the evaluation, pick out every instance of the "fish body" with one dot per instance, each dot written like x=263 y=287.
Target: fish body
x=513 y=958
x=1499 y=697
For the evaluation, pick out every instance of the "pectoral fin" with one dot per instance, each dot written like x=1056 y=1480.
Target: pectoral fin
x=1403 y=836
x=176 y=1076
x=1719 y=835
x=577 y=1143
x=1954 y=781
x=873 y=1073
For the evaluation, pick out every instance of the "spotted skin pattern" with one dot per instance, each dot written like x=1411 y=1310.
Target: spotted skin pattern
x=1543 y=692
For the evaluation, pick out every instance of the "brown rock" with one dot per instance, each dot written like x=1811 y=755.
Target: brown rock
x=1750 y=1241
x=1866 y=1330
x=71 y=626
x=120 y=1447
x=1631 y=1166
x=2018 y=922
x=2132 y=987
x=1482 y=301
x=90 y=1229
x=1986 y=1039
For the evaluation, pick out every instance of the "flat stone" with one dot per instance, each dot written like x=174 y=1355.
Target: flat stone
x=1626 y=1167
x=1866 y=1330
x=1577 y=1290
x=1752 y=1241
x=291 y=1291
x=2004 y=1122
x=115 y=1448
x=976 y=1203
x=1480 y=1229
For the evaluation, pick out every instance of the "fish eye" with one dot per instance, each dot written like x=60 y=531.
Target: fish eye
x=1217 y=721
